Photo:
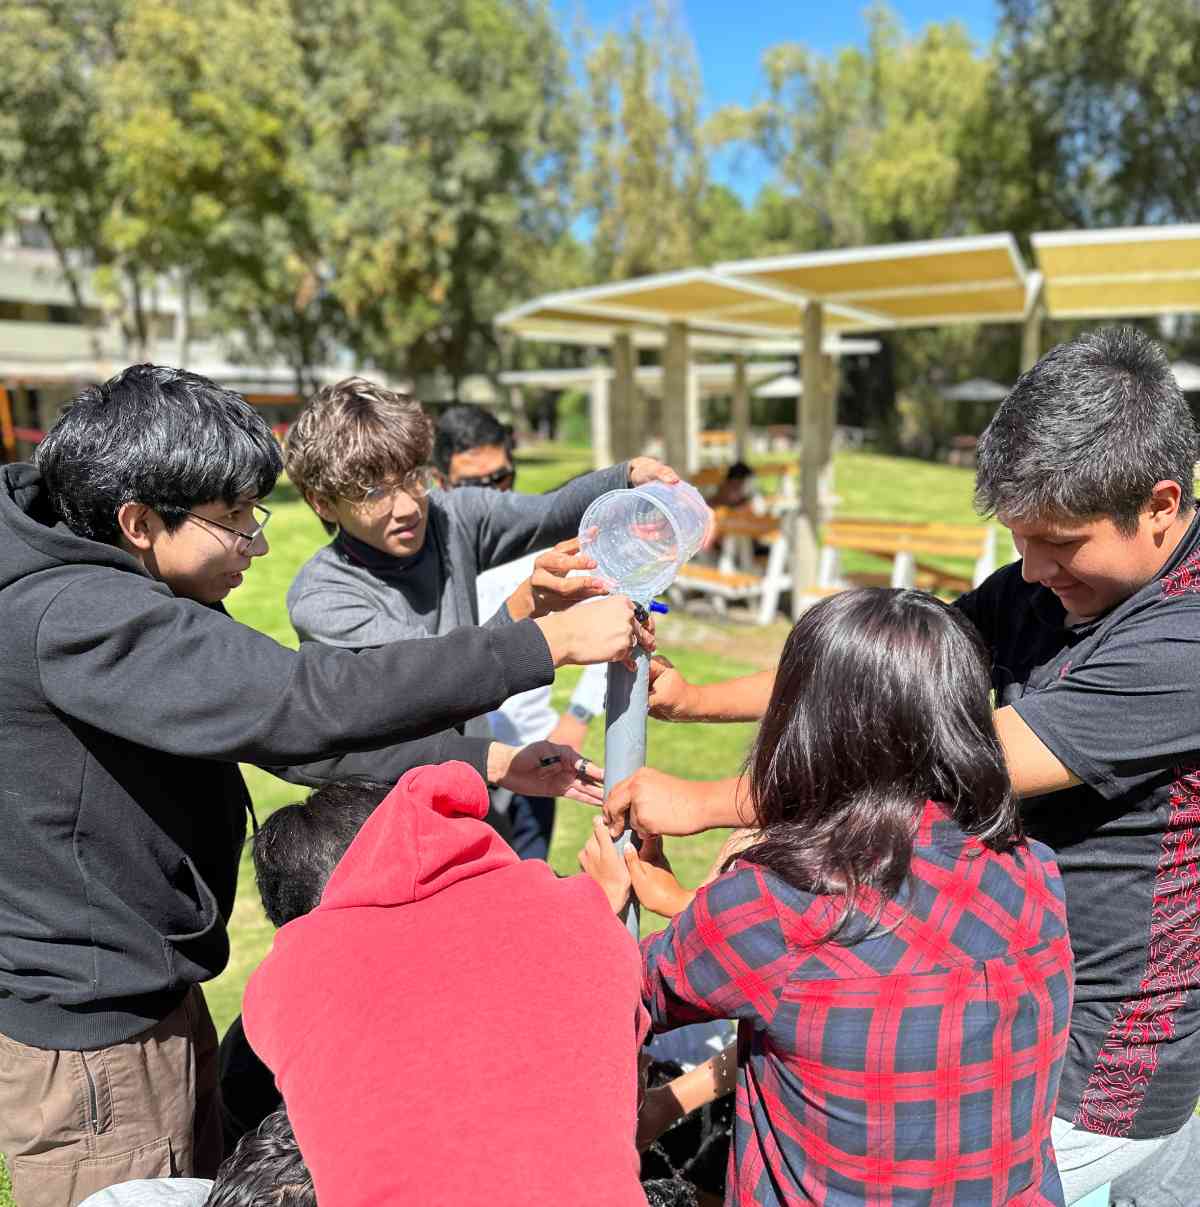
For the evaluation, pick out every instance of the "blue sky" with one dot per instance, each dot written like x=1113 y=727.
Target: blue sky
x=731 y=35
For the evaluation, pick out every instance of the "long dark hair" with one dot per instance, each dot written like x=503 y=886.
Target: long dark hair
x=881 y=702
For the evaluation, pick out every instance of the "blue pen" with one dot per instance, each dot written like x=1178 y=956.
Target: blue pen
x=660 y=608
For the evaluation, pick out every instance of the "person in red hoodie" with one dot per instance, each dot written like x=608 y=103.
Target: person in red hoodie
x=453 y=1024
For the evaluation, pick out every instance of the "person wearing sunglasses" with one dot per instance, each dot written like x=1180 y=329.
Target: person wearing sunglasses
x=471 y=447
x=404 y=558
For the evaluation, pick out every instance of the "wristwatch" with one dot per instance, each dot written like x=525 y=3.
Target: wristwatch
x=579 y=712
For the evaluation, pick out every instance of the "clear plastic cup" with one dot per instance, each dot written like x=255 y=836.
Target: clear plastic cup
x=640 y=538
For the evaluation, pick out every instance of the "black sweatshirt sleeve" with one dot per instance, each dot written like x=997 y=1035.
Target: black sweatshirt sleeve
x=123 y=654
x=389 y=763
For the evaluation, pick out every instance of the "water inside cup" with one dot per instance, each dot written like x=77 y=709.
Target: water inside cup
x=640 y=538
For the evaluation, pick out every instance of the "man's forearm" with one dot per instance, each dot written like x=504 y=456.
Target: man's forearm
x=712 y=805
x=744 y=699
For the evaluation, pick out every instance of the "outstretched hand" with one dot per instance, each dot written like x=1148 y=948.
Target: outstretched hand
x=604 y=630
x=552 y=586
x=650 y=802
x=570 y=774
x=669 y=691
x=650 y=469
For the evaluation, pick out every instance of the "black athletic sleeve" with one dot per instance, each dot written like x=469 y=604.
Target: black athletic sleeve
x=1131 y=708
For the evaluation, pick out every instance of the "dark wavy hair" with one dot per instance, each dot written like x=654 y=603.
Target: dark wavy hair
x=265 y=1170
x=163 y=437
x=881 y=702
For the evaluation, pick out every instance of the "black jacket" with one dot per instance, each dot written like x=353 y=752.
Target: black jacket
x=124 y=711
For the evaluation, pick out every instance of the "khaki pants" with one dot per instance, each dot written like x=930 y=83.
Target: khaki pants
x=72 y=1123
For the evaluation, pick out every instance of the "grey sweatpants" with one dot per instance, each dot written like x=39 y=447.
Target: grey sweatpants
x=1144 y=1173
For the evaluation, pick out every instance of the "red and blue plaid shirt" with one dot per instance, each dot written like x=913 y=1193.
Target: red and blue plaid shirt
x=916 y=1065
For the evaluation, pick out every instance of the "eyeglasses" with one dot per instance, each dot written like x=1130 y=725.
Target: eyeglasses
x=499 y=479
x=416 y=484
x=244 y=539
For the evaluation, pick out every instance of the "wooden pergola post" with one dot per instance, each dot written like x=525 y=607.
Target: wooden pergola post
x=741 y=409
x=598 y=411
x=8 y=437
x=676 y=402
x=1031 y=329
x=812 y=426
x=695 y=418
x=830 y=380
x=626 y=416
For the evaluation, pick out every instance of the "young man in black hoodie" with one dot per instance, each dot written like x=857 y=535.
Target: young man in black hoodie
x=127 y=698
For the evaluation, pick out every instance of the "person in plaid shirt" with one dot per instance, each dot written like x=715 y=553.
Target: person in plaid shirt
x=896 y=953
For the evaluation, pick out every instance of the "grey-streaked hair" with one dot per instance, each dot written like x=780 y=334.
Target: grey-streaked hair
x=1087 y=433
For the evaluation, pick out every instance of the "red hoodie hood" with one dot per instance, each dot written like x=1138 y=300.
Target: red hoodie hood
x=426 y=835
x=453 y=1024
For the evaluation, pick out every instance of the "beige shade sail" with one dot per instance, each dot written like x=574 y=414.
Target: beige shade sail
x=1125 y=272
x=977 y=279
x=711 y=304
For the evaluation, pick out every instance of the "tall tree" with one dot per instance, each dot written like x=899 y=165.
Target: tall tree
x=643 y=175
x=1097 y=106
x=876 y=144
x=53 y=164
x=441 y=144
x=868 y=145
x=202 y=120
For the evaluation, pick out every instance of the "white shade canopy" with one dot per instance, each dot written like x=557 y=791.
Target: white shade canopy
x=1187 y=374
x=788 y=386
x=974 y=389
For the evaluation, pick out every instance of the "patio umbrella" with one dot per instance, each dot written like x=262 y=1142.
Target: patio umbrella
x=1187 y=374
x=789 y=386
x=977 y=389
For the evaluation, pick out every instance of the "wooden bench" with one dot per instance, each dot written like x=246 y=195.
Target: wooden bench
x=737 y=577
x=788 y=473
x=906 y=546
x=716 y=446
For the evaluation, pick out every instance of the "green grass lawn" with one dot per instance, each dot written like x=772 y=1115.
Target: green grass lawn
x=868 y=485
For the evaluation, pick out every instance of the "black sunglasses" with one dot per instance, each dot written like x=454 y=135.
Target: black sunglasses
x=499 y=479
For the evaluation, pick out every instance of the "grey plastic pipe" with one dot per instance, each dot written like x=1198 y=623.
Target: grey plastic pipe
x=625 y=743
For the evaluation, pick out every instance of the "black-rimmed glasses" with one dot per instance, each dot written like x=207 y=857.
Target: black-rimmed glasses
x=244 y=539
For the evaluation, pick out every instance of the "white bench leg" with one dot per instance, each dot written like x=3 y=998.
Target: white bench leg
x=829 y=567
x=904 y=570
x=773 y=581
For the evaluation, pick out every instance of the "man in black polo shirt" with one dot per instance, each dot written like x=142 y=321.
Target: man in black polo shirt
x=1095 y=640
x=1095 y=637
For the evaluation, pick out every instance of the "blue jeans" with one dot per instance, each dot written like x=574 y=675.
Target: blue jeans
x=531 y=821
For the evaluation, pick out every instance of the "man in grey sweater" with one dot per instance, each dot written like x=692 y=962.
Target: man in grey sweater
x=404 y=559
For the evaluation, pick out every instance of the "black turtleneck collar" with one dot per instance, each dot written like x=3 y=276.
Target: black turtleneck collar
x=382 y=565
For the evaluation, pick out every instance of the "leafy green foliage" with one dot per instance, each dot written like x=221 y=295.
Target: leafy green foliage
x=644 y=170
x=1095 y=113
x=867 y=143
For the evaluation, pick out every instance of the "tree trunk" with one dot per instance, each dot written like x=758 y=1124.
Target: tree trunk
x=71 y=278
x=133 y=323
x=184 y=332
